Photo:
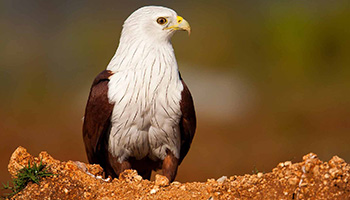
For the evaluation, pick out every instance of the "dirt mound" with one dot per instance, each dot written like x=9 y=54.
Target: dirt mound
x=311 y=178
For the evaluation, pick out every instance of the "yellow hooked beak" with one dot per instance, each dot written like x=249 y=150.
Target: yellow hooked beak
x=181 y=25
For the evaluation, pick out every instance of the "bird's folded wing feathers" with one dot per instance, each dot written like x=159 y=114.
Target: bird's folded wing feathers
x=97 y=116
x=187 y=121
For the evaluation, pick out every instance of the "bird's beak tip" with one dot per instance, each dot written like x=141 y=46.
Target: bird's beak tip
x=189 y=32
x=181 y=25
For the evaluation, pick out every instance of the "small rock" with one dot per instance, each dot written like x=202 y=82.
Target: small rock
x=309 y=156
x=293 y=181
x=336 y=161
x=87 y=194
x=303 y=184
x=222 y=179
x=260 y=175
x=300 y=196
x=138 y=178
x=128 y=175
x=334 y=172
x=176 y=183
x=19 y=158
x=99 y=177
x=211 y=180
x=316 y=170
x=281 y=175
x=161 y=180
x=154 y=190
x=308 y=166
x=96 y=169
x=287 y=163
x=326 y=176
x=183 y=188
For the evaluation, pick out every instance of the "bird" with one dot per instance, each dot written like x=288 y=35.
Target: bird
x=140 y=113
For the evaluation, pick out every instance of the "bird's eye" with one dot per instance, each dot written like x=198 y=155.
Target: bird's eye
x=161 y=20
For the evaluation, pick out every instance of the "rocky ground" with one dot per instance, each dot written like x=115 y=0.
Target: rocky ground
x=309 y=179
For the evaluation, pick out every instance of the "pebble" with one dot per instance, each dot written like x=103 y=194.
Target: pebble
x=183 y=187
x=326 y=176
x=87 y=194
x=309 y=156
x=176 y=183
x=287 y=163
x=222 y=179
x=334 y=172
x=161 y=180
x=293 y=181
x=316 y=170
x=138 y=178
x=308 y=167
x=154 y=190
x=335 y=161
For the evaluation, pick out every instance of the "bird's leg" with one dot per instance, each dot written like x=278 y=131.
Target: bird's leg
x=169 y=166
x=117 y=166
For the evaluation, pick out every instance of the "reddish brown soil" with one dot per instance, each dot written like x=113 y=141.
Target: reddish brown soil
x=309 y=179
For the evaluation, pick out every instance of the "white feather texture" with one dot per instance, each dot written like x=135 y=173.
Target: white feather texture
x=145 y=88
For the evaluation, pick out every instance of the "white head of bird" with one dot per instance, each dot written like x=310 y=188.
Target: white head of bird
x=153 y=23
x=148 y=27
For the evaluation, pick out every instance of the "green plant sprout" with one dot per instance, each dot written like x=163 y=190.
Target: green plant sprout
x=25 y=175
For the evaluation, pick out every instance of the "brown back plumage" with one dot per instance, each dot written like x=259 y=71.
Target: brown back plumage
x=187 y=121
x=97 y=120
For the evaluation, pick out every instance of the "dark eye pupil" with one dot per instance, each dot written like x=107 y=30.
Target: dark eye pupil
x=161 y=20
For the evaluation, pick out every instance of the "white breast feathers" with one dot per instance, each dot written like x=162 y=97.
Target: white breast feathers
x=146 y=90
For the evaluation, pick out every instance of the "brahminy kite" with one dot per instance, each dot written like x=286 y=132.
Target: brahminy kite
x=140 y=113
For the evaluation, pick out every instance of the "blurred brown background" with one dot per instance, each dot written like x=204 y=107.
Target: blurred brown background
x=270 y=79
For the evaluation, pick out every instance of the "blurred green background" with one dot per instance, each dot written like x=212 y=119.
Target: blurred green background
x=270 y=79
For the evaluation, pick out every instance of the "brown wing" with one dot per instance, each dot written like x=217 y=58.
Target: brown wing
x=187 y=121
x=96 y=125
